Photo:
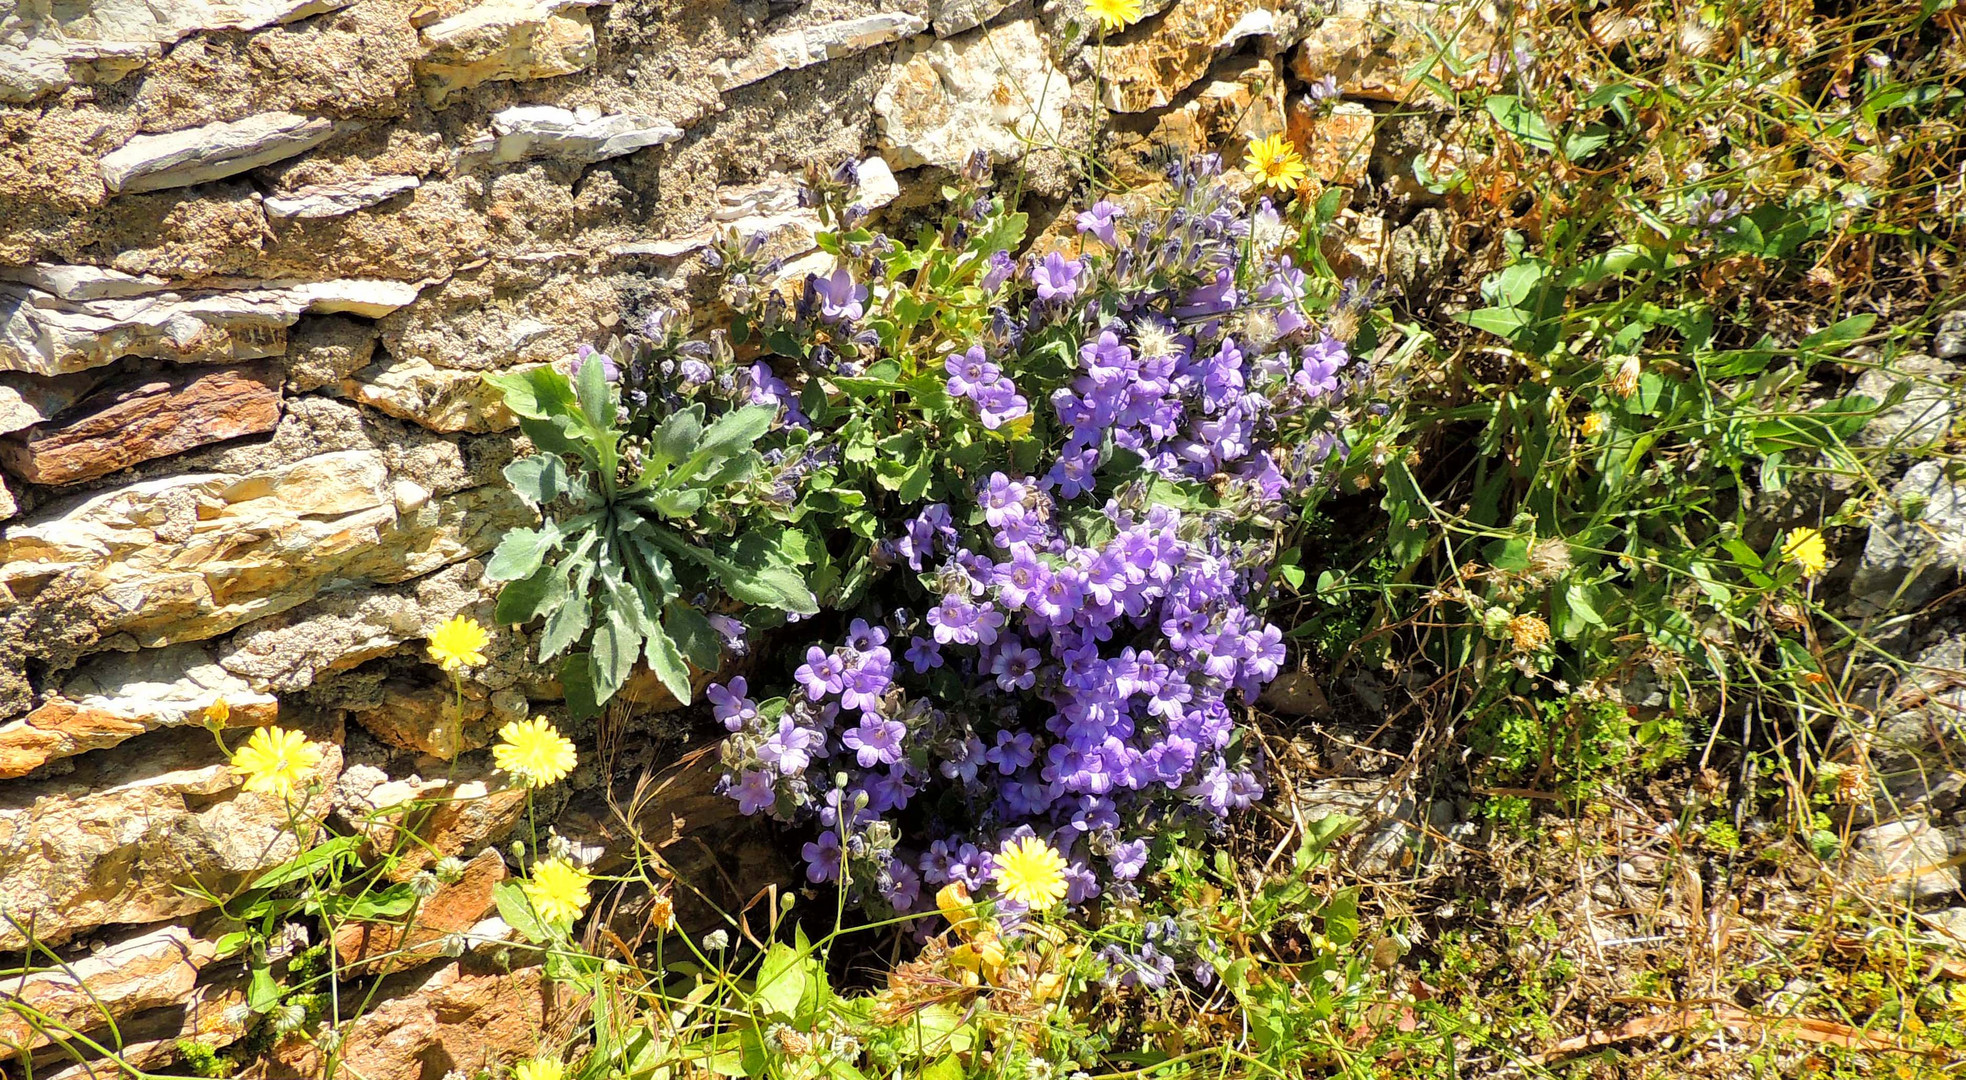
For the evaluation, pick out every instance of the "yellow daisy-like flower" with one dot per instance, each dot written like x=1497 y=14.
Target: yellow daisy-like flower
x=275 y=760
x=539 y=1068
x=458 y=643
x=1031 y=873
x=1272 y=162
x=1114 y=14
x=534 y=751
x=1805 y=549
x=1529 y=632
x=1593 y=425
x=558 y=890
x=217 y=713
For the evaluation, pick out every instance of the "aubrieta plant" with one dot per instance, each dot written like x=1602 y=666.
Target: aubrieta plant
x=1088 y=451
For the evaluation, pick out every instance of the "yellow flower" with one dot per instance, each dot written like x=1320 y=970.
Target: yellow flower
x=1273 y=162
x=955 y=905
x=539 y=1068
x=459 y=642
x=275 y=760
x=1805 y=549
x=1593 y=425
x=1031 y=873
x=1529 y=632
x=217 y=713
x=1114 y=14
x=557 y=890
x=534 y=751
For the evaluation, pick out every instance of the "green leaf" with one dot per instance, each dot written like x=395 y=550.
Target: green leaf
x=541 y=478
x=616 y=645
x=577 y=682
x=667 y=663
x=539 y=393
x=693 y=634
x=1522 y=122
x=517 y=912
x=1839 y=334
x=262 y=992
x=564 y=625
x=596 y=402
x=319 y=858
x=734 y=431
x=792 y=985
x=676 y=439
x=521 y=552
x=522 y=601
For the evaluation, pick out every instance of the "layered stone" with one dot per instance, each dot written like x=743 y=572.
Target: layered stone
x=148 y=971
x=148 y=417
x=503 y=41
x=994 y=90
x=211 y=151
x=805 y=46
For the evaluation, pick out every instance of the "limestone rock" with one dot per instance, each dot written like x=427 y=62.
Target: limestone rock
x=334 y=200
x=463 y=1019
x=441 y=399
x=770 y=209
x=586 y=136
x=502 y=315
x=1241 y=102
x=189 y=557
x=1949 y=339
x=455 y=908
x=211 y=151
x=1925 y=414
x=209 y=1015
x=145 y=972
x=1903 y=860
x=951 y=17
x=79 y=283
x=44 y=334
x=801 y=48
x=1916 y=542
x=322 y=350
x=503 y=40
x=116 y=840
x=1376 y=48
x=424 y=717
x=1337 y=145
x=994 y=90
x=26 y=400
x=345 y=628
x=1149 y=70
x=148 y=417
x=118 y=696
x=45 y=65
x=458 y=814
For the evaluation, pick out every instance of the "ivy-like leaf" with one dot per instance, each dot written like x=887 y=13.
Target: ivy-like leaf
x=521 y=552
x=535 y=394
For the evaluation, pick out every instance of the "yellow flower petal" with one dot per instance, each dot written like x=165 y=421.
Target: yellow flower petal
x=1031 y=873
x=276 y=760
x=458 y=643
x=1114 y=14
x=534 y=751
x=558 y=890
x=1272 y=162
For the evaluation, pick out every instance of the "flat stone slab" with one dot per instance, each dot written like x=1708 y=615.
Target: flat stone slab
x=211 y=151
x=150 y=417
x=334 y=200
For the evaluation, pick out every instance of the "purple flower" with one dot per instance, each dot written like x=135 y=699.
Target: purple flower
x=731 y=706
x=923 y=654
x=1012 y=752
x=865 y=638
x=788 y=750
x=693 y=372
x=839 y=298
x=1056 y=277
x=1101 y=220
x=822 y=858
x=876 y=741
x=903 y=886
x=1000 y=268
x=823 y=673
x=1015 y=667
x=1071 y=474
x=1128 y=859
x=1322 y=362
x=753 y=792
x=969 y=370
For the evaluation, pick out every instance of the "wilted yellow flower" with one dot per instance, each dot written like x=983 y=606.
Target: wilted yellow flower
x=217 y=713
x=539 y=1068
x=275 y=760
x=1593 y=425
x=1114 y=14
x=1030 y=872
x=557 y=890
x=1272 y=162
x=458 y=643
x=1805 y=549
x=954 y=903
x=534 y=751
x=1624 y=377
x=1529 y=632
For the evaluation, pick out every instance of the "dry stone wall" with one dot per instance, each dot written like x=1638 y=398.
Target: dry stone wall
x=255 y=258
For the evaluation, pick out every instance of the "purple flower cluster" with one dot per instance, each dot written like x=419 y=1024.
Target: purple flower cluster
x=1064 y=654
x=1129 y=647
x=973 y=377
